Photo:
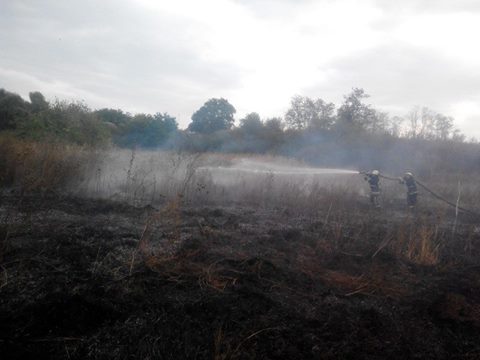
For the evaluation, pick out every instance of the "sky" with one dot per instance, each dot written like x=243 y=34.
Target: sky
x=172 y=56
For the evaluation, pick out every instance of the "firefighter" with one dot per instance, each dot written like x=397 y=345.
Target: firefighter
x=411 y=184
x=373 y=179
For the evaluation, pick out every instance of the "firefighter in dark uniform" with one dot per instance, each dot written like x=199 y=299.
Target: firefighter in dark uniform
x=373 y=179
x=411 y=184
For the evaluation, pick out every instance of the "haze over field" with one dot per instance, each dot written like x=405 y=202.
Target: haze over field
x=239 y=179
x=149 y=56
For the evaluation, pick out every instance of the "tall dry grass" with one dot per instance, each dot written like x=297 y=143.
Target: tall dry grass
x=29 y=166
x=418 y=243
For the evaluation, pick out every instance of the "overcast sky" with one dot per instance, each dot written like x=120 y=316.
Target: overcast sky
x=173 y=55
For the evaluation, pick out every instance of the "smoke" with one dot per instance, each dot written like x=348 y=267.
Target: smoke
x=150 y=177
x=253 y=169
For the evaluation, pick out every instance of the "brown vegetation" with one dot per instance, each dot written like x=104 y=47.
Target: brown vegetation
x=230 y=282
x=158 y=259
x=43 y=167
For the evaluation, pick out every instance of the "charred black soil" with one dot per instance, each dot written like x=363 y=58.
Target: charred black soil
x=96 y=279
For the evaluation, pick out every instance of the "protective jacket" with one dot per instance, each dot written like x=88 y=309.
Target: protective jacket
x=374 y=182
x=411 y=185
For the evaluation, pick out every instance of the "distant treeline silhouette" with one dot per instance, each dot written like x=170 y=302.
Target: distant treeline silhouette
x=353 y=134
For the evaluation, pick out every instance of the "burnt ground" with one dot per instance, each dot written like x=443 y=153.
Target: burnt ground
x=96 y=279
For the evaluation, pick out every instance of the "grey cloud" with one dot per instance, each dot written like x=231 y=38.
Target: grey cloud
x=271 y=3
x=285 y=9
x=430 y=6
x=110 y=50
x=400 y=76
x=119 y=54
x=469 y=126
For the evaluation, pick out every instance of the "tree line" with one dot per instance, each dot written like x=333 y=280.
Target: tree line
x=76 y=123
x=319 y=132
x=354 y=115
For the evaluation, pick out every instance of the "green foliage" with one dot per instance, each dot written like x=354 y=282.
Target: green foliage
x=305 y=112
x=37 y=102
x=75 y=123
x=148 y=131
x=12 y=108
x=214 y=115
x=255 y=136
x=356 y=135
x=66 y=122
x=355 y=115
x=113 y=117
x=274 y=134
x=251 y=124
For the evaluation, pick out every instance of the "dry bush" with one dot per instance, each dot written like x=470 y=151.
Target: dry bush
x=45 y=167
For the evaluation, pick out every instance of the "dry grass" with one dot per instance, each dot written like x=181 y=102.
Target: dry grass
x=227 y=349
x=167 y=221
x=169 y=179
x=160 y=249
x=153 y=177
x=374 y=280
x=39 y=168
x=419 y=244
x=43 y=167
x=149 y=177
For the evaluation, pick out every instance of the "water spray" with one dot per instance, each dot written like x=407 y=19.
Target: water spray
x=257 y=167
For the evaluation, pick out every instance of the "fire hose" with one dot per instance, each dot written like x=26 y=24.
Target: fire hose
x=437 y=196
x=441 y=198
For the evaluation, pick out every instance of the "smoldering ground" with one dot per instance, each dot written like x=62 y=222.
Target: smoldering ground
x=177 y=255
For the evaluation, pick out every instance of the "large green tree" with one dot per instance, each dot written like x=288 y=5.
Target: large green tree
x=305 y=112
x=38 y=102
x=113 y=116
x=214 y=115
x=251 y=124
x=148 y=131
x=354 y=114
x=12 y=109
